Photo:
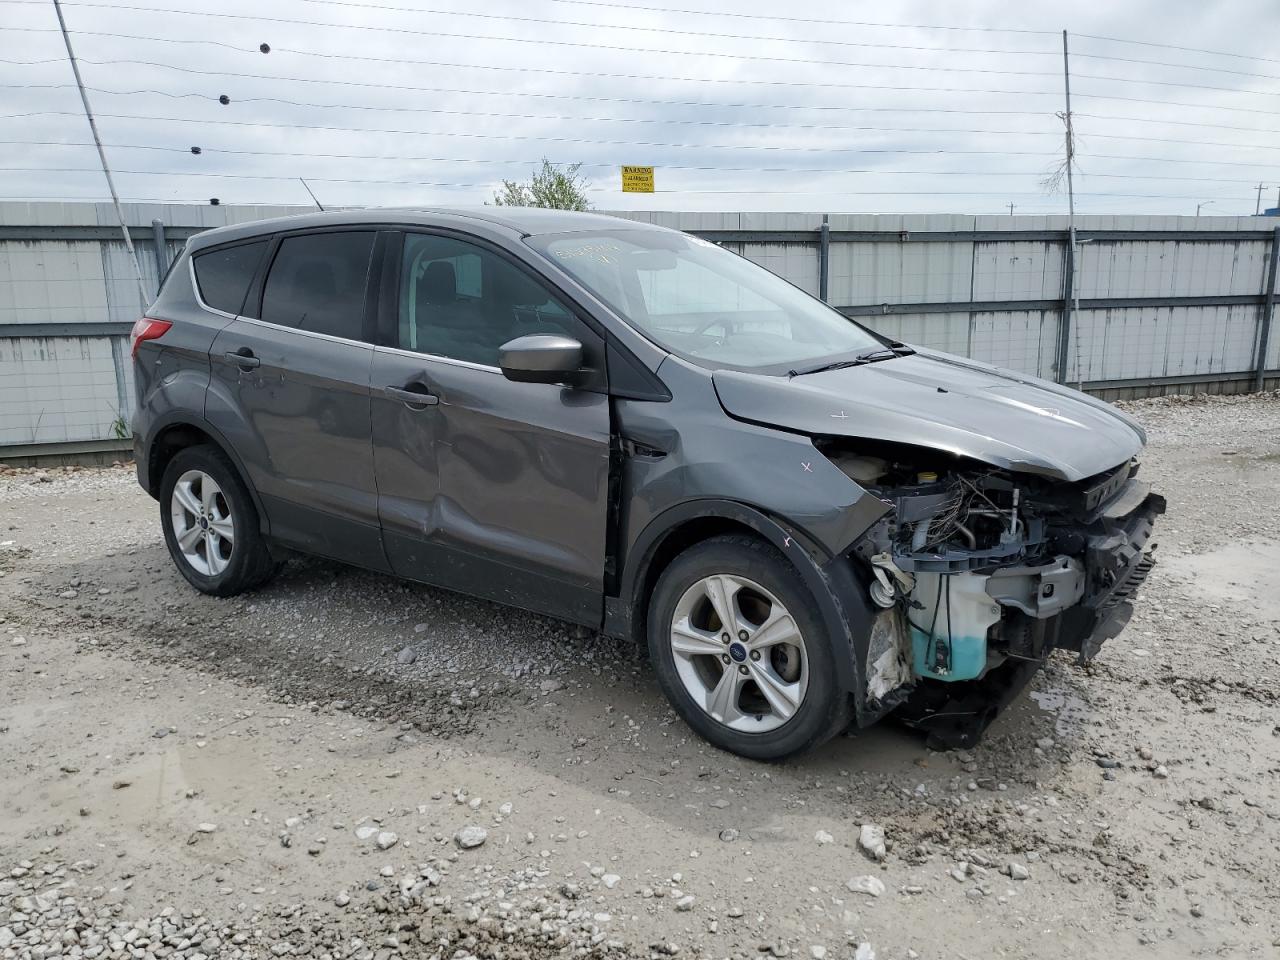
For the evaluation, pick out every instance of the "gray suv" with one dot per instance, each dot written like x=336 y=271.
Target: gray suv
x=632 y=429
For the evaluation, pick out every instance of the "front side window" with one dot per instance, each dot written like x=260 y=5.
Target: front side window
x=317 y=283
x=224 y=275
x=463 y=302
x=699 y=301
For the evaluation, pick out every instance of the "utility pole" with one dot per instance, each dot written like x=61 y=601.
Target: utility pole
x=1072 y=297
x=1011 y=209
x=106 y=170
x=1071 y=142
x=1257 y=208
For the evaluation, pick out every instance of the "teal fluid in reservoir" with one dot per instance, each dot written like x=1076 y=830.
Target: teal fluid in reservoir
x=968 y=656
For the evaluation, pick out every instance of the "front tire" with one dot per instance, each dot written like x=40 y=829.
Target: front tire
x=741 y=654
x=210 y=524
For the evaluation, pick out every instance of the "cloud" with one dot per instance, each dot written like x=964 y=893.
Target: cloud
x=427 y=102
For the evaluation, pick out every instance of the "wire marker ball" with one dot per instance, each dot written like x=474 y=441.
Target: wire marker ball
x=224 y=99
x=264 y=47
x=214 y=201
x=197 y=151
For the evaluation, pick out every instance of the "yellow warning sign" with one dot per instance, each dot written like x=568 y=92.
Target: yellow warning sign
x=637 y=179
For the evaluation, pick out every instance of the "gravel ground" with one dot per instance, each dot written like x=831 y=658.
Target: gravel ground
x=343 y=765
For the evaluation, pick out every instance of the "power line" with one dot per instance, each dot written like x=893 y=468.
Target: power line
x=335 y=127
x=1146 y=43
x=1177 y=103
x=492 y=136
x=733 y=124
x=781 y=19
x=874 y=171
x=780 y=126
x=120 y=36
x=641 y=100
x=542 y=42
x=850 y=23
x=458 y=13
x=1177 y=123
x=652 y=50
x=636 y=28
x=1175 y=83
x=243 y=176
x=619 y=76
x=1191 y=143
x=868 y=193
x=1213 y=162
x=523 y=94
x=402 y=158
x=912 y=26
x=951 y=89
x=729 y=36
x=1178 y=66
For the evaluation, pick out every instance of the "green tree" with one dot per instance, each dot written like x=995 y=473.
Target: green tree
x=553 y=187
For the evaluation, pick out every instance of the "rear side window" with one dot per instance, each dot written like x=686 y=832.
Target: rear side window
x=224 y=275
x=317 y=283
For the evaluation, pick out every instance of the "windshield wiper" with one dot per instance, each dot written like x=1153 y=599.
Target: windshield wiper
x=893 y=349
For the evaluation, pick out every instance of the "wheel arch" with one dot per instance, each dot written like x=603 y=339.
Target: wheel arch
x=181 y=432
x=830 y=580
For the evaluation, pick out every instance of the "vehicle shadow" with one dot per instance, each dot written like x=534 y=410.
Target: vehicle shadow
x=536 y=692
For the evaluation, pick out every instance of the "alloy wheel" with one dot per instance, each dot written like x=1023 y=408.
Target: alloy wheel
x=739 y=653
x=202 y=523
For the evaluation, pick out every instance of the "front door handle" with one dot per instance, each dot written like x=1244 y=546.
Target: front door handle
x=243 y=358
x=418 y=399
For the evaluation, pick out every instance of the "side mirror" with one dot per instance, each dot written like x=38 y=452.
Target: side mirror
x=541 y=358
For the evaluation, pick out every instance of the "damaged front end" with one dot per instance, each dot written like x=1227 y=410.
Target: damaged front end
x=980 y=572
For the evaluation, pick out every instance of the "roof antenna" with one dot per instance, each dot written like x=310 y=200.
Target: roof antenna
x=313 y=196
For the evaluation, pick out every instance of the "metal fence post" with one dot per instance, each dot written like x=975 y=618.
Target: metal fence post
x=824 y=259
x=162 y=251
x=1068 y=288
x=1266 y=317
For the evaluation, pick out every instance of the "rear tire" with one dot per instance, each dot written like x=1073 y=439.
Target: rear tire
x=769 y=690
x=210 y=524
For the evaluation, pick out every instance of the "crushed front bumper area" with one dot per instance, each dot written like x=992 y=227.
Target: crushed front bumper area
x=1073 y=602
x=1118 y=559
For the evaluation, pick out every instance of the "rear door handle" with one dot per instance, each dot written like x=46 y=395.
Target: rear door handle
x=417 y=399
x=242 y=358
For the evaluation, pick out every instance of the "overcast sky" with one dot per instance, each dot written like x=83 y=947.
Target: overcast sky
x=435 y=101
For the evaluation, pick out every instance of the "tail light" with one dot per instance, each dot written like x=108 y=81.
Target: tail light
x=146 y=329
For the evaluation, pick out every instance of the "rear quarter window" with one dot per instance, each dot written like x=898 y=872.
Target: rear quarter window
x=224 y=275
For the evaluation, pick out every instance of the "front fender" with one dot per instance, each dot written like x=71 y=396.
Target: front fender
x=838 y=595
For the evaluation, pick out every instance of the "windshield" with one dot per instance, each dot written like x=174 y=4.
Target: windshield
x=704 y=303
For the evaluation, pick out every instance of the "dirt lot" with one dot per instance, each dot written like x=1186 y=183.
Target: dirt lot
x=288 y=773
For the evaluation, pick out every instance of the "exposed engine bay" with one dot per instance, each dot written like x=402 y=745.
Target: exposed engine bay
x=979 y=573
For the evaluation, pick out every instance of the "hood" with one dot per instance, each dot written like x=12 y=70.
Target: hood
x=935 y=400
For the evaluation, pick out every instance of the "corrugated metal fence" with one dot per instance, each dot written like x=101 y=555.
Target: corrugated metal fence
x=1138 y=305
